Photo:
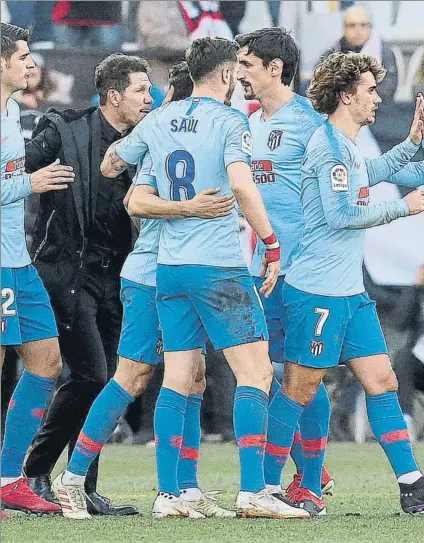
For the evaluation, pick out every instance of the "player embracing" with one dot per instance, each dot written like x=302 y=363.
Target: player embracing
x=202 y=281
x=330 y=316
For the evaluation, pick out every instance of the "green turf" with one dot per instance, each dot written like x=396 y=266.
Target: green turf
x=365 y=507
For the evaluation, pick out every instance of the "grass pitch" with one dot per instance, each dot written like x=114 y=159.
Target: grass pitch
x=365 y=506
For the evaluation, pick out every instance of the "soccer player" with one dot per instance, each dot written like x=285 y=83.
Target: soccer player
x=140 y=348
x=281 y=129
x=27 y=320
x=202 y=281
x=330 y=317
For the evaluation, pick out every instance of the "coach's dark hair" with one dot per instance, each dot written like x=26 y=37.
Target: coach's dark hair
x=179 y=78
x=337 y=73
x=113 y=73
x=270 y=43
x=205 y=55
x=10 y=34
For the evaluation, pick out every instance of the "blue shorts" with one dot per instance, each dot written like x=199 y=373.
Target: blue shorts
x=141 y=338
x=276 y=320
x=26 y=312
x=323 y=330
x=197 y=300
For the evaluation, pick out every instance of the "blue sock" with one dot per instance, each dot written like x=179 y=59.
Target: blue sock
x=284 y=415
x=250 y=426
x=169 y=426
x=390 y=430
x=296 y=451
x=26 y=409
x=189 y=454
x=101 y=421
x=314 y=425
x=275 y=387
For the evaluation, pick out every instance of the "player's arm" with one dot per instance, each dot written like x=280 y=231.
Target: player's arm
x=388 y=164
x=340 y=212
x=252 y=207
x=122 y=153
x=14 y=190
x=412 y=175
x=145 y=202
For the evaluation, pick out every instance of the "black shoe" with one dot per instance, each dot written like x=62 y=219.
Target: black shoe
x=42 y=486
x=99 y=505
x=412 y=496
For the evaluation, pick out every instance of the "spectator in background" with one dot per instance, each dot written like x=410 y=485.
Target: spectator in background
x=81 y=24
x=34 y=15
x=172 y=26
x=233 y=13
x=358 y=36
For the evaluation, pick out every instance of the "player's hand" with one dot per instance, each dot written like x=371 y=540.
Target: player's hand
x=415 y=201
x=270 y=264
x=417 y=127
x=272 y=271
x=53 y=177
x=207 y=206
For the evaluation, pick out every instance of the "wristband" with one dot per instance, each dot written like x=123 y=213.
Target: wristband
x=272 y=251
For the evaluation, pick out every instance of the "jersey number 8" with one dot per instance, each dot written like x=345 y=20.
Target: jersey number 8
x=180 y=169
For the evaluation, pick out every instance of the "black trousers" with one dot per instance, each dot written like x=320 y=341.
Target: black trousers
x=89 y=351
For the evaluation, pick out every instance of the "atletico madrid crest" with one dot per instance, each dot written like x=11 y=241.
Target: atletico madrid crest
x=274 y=139
x=159 y=347
x=316 y=347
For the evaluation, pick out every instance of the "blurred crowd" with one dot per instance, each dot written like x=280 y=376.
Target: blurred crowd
x=160 y=31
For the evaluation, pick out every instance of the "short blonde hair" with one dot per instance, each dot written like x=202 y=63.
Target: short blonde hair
x=337 y=73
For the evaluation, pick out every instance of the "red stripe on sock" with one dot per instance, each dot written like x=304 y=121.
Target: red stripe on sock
x=276 y=450
x=38 y=412
x=312 y=445
x=188 y=453
x=396 y=435
x=89 y=443
x=176 y=441
x=258 y=440
x=297 y=438
x=12 y=403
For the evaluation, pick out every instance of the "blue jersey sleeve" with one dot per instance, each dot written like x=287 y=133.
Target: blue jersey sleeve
x=412 y=175
x=238 y=141
x=133 y=147
x=339 y=211
x=145 y=175
x=13 y=190
x=388 y=164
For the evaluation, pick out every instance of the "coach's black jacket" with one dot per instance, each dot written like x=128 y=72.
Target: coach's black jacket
x=59 y=243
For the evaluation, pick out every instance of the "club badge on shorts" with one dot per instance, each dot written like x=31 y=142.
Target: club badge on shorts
x=316 y=347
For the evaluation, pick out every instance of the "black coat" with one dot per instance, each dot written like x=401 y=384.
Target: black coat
x=60 y=237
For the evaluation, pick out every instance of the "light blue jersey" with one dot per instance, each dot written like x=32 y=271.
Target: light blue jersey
x=335 y=198
x=191 y=143
x=15 y=187
x=278 y=146
x=141 y=264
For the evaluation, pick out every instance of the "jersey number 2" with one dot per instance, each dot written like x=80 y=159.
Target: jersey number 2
x=180 y=169
x=9 y=294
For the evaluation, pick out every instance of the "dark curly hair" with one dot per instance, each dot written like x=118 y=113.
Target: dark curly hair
x=337 y=73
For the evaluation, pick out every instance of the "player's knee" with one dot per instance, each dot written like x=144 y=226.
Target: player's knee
x=386 y=382
x=52 y=365
x=264 y=376
x=134 y=377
